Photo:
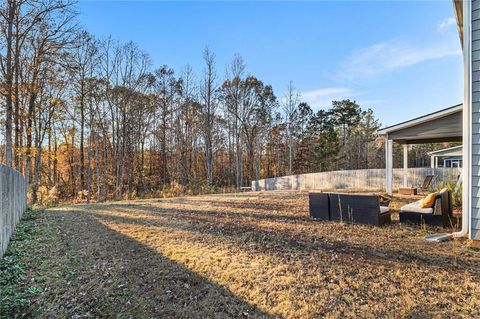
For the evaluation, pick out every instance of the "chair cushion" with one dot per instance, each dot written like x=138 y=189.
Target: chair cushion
x=384 y=209
x=428 y=201
x=443 y=190
x=415 y=208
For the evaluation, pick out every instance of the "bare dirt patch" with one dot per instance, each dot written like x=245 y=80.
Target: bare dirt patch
x=246 y=255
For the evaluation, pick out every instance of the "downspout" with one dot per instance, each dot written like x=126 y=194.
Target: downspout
x=467 y=123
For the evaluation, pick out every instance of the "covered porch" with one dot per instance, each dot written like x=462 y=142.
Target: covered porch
x=442 y=126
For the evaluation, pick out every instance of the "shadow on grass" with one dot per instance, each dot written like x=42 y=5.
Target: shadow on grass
x=203 y=222
x=121 y=277
x=201 y=212
x=245 y=205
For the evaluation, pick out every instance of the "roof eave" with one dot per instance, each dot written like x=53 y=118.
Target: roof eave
x=445 y=150
x=458 y=8
x=421 y=119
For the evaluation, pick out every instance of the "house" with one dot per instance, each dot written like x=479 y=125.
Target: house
x=468 y=20
x=441 y=126
x=447 y=158
x=457 y=123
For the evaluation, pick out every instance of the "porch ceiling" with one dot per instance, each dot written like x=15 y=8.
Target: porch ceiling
x=441 y=126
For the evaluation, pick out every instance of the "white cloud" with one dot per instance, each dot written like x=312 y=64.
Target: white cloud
x=390 y=56
x=446 y=24
x=324 y=96
x=380 y=59
x=320 y=93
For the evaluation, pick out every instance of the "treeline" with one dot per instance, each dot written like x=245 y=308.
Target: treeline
x=88 y=118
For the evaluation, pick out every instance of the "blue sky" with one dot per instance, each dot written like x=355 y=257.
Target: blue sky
x=402 y=59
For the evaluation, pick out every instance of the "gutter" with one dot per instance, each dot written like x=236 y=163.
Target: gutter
x=467 y=111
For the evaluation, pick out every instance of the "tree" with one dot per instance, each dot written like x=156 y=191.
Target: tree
x=346 y=114
x=8 y=15
x=92 y=118
x=364 y=139
x=47 y=43
x=167 y=90
x=187 y=125
x=233 y=94
x=290 y=103
x=84 y=56
x=208 y=94
x=323 y=129
x=306 y=143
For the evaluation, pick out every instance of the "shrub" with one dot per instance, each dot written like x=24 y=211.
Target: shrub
x=456 y=194
x=47 y=197
x=209 y=189
x=173 y=189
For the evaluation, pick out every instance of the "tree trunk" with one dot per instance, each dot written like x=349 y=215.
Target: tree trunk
x=28 y=155
x=209 y=159
x=9 y=84
x=37 y=172
x=105 y=168
x=96 y=142
x=82 y=136
x=17 y=120
x=55 y=162
x=89 y=169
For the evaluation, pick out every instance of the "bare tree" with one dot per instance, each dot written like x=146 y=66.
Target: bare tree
x=233 y=96
x=290 y=102
x=8 y=15
x=208 y=95
x=84 y=114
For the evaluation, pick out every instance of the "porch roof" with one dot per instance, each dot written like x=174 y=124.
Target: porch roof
x=442 y=126
x=451 y=151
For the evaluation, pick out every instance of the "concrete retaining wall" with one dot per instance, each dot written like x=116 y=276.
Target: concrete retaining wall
x=363 y=179
x=13 y=202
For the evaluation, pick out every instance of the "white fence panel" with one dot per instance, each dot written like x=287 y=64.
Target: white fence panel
x=13 y=197
x=363 y=179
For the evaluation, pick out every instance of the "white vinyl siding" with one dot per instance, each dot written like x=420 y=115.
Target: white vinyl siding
x=475 y=170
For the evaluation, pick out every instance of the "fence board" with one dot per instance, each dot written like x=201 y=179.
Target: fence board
x=363 y=179
x=13 y=202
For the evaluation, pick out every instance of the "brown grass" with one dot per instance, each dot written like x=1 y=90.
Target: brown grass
x=246 y=255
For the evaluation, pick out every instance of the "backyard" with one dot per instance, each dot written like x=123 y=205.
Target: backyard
x=246 y=255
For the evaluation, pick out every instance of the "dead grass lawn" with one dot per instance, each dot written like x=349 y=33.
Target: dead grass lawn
x=250 y=255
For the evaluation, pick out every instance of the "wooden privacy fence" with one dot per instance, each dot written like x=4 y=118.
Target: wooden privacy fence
x=362 y=179
x=13 y=197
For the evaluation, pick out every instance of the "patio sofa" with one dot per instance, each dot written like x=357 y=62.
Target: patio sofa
x=350 y=208
x=319 y=206
x=440 y=214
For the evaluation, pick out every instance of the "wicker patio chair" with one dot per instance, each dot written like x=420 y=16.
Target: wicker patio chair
x=441 y=214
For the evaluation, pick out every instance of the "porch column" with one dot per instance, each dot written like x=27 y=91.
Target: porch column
x=432 y=161
x=389 y=165
x=405 y=165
